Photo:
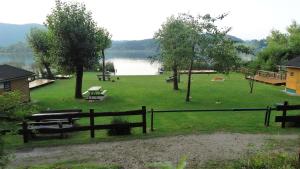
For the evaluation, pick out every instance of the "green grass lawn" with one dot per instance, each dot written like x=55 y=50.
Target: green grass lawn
x=132 y=92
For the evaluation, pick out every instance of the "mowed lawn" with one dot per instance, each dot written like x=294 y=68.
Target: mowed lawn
x=133 y=92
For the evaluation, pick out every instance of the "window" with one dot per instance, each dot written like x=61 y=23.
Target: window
x=7 y=86
x=1 y=86
x=292 y=74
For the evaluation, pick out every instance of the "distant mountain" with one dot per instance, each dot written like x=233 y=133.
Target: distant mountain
x=13 y=40
x=13 y=33
x=133 y=49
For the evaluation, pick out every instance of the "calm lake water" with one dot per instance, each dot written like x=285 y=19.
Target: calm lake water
x=124 y=66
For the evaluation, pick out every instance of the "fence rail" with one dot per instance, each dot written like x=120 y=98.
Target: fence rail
x=283 y=107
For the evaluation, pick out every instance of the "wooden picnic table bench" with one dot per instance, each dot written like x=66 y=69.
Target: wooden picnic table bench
x=41 y=122
x=107 y=76
x=95 y=93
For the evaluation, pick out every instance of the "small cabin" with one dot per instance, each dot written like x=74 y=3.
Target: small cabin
x=293 y=76
x=15 y=79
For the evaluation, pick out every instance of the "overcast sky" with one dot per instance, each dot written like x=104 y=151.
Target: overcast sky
x=139 y=19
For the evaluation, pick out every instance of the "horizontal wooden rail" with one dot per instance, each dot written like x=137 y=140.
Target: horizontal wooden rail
x=84 y=128
x=287 y=107
x=287 y=118
x=213 y=110
x=83 y=114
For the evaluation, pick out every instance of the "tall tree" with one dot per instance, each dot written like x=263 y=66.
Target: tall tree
x=103 y=38
x=203 y=35
x=173 y=37
x=74 y=36
x=40 y=41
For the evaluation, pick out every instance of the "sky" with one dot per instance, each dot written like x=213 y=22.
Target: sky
x=140 y=19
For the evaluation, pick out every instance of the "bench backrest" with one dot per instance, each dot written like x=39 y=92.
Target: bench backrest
x=61 y=111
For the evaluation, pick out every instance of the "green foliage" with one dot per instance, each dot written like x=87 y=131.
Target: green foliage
x=75 y=41
x=11 y=108
x=167 y=165
x=123 y=128
x=72 y=166
x=103 y=38
x=40 y=40
x=74 y=35
x=281 y=47
x=272 y=160
x=175 y=45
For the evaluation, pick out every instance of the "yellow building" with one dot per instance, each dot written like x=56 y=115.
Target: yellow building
x=293 y=76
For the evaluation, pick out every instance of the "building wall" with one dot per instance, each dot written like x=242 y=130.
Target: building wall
x=21 y=85
x=293 y=80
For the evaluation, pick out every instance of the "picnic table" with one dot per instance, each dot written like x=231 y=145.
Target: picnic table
x=95 y=93
x=40 y=123
x=107 y=76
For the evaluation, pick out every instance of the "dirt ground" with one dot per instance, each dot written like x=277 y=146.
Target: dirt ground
x=135 y=154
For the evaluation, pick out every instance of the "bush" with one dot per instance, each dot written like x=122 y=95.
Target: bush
x=11 y=108
x=122 y=128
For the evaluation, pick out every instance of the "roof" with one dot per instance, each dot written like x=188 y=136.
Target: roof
x=8 y=72
x=295 y=62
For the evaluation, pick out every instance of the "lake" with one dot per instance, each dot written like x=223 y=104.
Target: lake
x=123 y=66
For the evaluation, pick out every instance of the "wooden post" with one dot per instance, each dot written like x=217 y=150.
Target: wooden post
x=152 y=118
x=25 y=131
x=92 y=123
x=266 y=116
x=144 y=119
x=284 y=114
x=60 y=126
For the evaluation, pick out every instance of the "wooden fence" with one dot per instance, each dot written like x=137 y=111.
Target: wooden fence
x=280 y=107
x=269 y=74
x=267 y=111
x=91 y=127
x=285 y=118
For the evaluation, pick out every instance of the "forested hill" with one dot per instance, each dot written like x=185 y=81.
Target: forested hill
x=135 y=48
x=12 y=33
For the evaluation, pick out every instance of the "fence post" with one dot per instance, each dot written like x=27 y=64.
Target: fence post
x=269 y=114
x=92 y=123
x=152 y=118
x=284 y=114
x=266 y=116
x=25 y=131
x=144 y=119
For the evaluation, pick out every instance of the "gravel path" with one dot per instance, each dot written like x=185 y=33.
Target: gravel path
x=134 y=154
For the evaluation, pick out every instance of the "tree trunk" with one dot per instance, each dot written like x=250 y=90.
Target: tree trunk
x=187 y=99
x=251 y=83
x=48 y=70
x=78 y=87
x=175 y=81
x=103 y=65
